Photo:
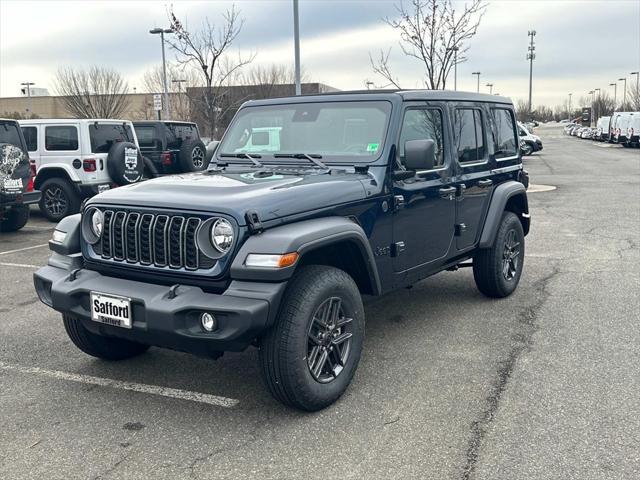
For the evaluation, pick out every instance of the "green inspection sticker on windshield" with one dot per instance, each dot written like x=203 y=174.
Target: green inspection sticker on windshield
x=372 y=147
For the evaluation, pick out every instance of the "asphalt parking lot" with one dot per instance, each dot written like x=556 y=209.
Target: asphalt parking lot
x=452 y=385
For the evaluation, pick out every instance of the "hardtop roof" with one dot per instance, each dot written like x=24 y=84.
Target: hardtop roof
x=391 y=95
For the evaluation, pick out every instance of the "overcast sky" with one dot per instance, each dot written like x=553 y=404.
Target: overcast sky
x=580 y=45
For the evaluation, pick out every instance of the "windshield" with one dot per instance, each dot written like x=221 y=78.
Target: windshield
x=104 y=135
x=341 y=131
x=9 y=134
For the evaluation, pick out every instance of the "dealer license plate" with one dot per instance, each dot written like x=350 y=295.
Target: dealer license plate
x=111 y=310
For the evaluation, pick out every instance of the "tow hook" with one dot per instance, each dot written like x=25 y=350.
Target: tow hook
x=173 y=291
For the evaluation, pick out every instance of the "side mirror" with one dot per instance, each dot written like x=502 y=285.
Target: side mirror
x=419 y=154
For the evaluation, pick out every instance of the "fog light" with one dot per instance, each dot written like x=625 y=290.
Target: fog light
x=208 y=322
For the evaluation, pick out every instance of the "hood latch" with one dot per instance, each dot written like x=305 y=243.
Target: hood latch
x=253 y=221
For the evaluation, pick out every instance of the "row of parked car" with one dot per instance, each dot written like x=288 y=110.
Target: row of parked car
x=621 y=127
x=70 y=160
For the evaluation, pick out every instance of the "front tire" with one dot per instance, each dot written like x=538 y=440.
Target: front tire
x=15 y=218
x=497 y=270
x=310 y=355
x=106 y=348
x=58 y=199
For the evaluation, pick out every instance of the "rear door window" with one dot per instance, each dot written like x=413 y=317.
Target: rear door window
x=31 y=137
x=469 y=133
x=61 y=138
x=505 y=139
x=148 y=137
x=104 y=135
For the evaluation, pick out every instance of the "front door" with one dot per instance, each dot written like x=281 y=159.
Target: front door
x=423 y=224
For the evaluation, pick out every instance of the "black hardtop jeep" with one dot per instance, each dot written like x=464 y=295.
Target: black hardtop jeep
x=309 y=203
x=172 y=146
x=16 y=178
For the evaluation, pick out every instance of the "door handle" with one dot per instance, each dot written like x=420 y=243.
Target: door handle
x=485 y=183
x=447 y=192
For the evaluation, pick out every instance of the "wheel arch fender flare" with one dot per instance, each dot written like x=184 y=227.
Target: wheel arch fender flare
x=510 y=196
x=55 y=170
x=304 y=237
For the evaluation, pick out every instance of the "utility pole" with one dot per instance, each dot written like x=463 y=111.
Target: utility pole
x=179 y=82
x=570 y=106
x=296 y=43
x=531 y=57
x=28 y=85
x=162 y=31
x=478 y=74
x=615 y=94
x=490 y=85
x=624 y=96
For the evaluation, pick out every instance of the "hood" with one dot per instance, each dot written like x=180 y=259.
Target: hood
x=271 y=194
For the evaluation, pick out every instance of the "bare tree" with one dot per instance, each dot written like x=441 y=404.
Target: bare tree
x=603 y=105
x=632 y=102
x=267 y=81
x=180 y=81
x=522 y=109
x=98 y=92
x=432 y=32
x=207 y=50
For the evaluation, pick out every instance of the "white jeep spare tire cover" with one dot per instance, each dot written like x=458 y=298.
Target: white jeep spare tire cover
x=125 y=164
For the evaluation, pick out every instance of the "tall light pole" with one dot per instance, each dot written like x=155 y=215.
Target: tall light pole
x=531 y=57
x=615 y=94
x=570 y=106
x=162 y=31
x=455 y=66
x=624 y=96
x=296 y=43
x=478 y=74
x=28 y=89
x=637 y=74
x=597 y=91
x=179 y=82
x=490 y=85
x=592 y=93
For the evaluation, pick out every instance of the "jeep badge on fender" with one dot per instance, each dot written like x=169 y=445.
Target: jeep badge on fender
x=276 y=242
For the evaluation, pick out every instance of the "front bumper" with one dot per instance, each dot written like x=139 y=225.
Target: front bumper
x=243 y=311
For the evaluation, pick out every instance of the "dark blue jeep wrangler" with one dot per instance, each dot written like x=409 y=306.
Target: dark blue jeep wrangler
x=309 y=203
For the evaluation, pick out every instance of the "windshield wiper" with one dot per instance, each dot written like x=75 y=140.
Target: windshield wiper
x=244 y=155
x=313 y=157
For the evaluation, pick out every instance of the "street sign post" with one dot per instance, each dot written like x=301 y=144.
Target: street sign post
x=157 y=103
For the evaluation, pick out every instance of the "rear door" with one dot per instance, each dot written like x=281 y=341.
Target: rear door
x=473 y=179
x=61 y=144
x=150 y=141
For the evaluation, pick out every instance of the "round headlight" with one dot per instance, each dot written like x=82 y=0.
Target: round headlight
x=222 y=235
x=97 y=220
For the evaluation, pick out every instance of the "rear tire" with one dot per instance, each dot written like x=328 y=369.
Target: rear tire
x=107 y=348
x=497 y=270
x=308 y=359
x=59 y=199
x=15 y=218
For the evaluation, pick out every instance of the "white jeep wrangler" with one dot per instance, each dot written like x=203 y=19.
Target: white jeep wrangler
x=76 y=159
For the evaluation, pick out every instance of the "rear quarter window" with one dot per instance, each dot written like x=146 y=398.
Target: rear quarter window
x=147 y=137
x=104 y=136
x=31 y=137
x=178 y=132
x=505 y=138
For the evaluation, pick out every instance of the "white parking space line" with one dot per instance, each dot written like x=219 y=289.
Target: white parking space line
x=23 y=249
x=134 y=387
x=21 y=265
